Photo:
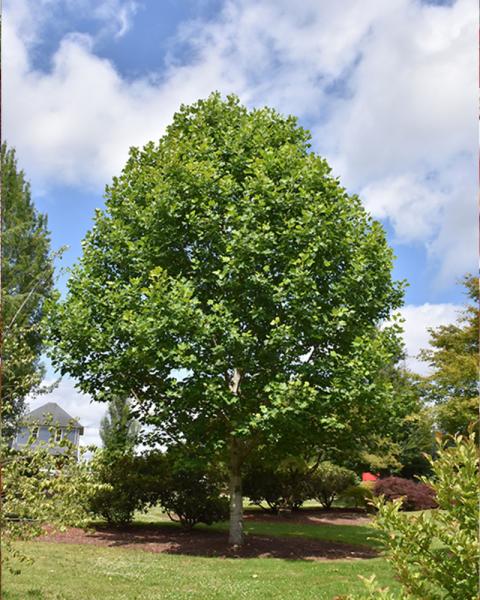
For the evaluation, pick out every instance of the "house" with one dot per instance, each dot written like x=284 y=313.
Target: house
x=48 y=424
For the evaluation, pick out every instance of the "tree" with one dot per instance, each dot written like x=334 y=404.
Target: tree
x=27 y=272
x=454 y=358
x=232 y=288
x=118 y=431
x=407 y=433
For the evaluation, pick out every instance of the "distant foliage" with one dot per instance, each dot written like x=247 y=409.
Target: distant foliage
x=413 y=495
x=262 y=484
x=329 y=481
x=27 y=280
x=118 y=430
x=453 y=355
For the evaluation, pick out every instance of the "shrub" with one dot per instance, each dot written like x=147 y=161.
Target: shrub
x=358 y=496
x=329 y=481
x=284 y=485
x=414 y=496
x=192 y=493
x=263 y=484
x=436 y=554
x=131 y=483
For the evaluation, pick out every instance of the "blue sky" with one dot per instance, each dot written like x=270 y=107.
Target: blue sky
x=388 y=90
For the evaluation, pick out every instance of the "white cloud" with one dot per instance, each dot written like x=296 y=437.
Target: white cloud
x=418 y=319
x=413 y=206
x=77 y=405
x=387 y=86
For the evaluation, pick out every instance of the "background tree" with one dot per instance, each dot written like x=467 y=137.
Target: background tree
x=118 y=430
x=406 y=434
x=234 y=289
x=454 y=358
x=27 y=272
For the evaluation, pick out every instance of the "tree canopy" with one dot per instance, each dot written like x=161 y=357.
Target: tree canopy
x=27 y=279
x=233 y=288
x=454 y=357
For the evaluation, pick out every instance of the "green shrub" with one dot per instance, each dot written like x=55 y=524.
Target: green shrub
x=436 y=553
x=131 y=483
x=358 y=496
x=283 y=485
x=329 y=481
x=263 y=484
x=193 y=493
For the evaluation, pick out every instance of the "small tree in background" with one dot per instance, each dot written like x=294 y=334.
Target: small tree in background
x=192 y=490
x=118 y=429
x=454 y=358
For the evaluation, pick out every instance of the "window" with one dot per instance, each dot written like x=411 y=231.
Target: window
x=34 y=433
x=58 y=435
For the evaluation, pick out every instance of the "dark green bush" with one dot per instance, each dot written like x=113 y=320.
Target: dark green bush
x=358 y=496
x=132 y=483
x=281 y=486
x=192 y=492
x=329 y=481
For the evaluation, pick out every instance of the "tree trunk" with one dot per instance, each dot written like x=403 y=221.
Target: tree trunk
x=235 y=537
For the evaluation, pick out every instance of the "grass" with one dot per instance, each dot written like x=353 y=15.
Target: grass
x=351 y=534
x=70 y=572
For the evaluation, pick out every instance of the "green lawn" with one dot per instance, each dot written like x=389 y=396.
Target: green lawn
x=67 y=571
x=73 y=572
x=351 y=534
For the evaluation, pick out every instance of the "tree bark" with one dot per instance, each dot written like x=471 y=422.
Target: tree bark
x=235 y=537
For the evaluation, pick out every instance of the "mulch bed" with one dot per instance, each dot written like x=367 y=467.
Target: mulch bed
x=209 y=543
x=312 y=516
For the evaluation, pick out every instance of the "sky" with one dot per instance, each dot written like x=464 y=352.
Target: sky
x=387 y=89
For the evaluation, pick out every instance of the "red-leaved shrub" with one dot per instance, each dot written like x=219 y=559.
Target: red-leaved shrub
x=416 y=496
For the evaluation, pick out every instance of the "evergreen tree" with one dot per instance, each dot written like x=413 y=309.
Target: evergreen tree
x=27 y=278
x=118 y=431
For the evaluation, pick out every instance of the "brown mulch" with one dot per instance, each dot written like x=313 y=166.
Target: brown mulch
x=164 y=539
x=313 y=516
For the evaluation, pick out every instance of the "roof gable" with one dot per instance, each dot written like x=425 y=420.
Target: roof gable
x=51 y=414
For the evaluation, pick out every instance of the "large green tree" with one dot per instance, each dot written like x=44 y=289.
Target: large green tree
x=453 y=357
x=233 y=288
x=27 y=272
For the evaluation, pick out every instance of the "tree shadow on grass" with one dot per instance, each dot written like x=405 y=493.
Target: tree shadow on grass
x=207 y=543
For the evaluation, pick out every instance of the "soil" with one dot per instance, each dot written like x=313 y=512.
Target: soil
x=313 y=516
x=164 y=539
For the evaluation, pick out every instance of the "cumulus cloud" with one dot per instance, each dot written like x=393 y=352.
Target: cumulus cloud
x=418 y=320
x=385 y=86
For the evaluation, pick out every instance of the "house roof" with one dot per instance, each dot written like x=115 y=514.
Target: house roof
x=52 y=414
